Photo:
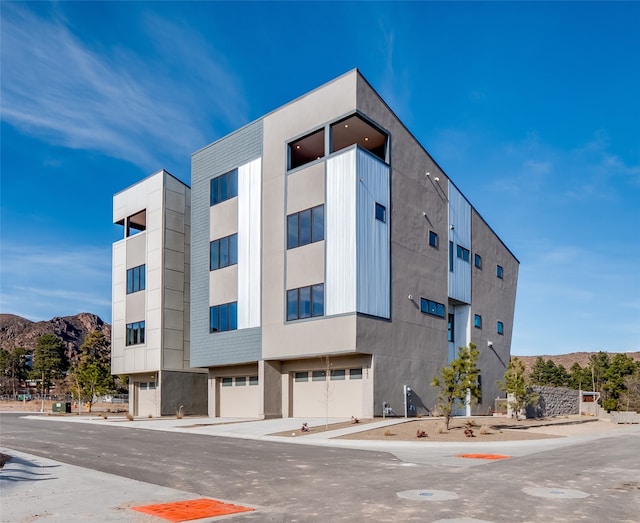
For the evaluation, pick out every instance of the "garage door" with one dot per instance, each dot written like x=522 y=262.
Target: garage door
x=341 y=393
x=147 y=399
x=239 y=397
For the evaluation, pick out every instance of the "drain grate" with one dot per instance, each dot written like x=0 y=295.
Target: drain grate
x=191 y=509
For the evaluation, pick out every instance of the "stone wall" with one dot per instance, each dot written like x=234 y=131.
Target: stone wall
x=554 y=401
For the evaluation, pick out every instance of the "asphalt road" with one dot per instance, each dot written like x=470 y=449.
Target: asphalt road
x=594 y=482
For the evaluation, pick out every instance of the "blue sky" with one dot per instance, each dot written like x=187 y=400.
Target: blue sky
x=533 y=109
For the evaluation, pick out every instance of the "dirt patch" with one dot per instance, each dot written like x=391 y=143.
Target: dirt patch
x=323 y=428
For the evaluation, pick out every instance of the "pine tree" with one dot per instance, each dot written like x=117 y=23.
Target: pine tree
x=517 y=388
x=49 y=361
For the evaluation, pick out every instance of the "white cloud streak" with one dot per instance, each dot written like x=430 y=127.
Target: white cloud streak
x=126 y=106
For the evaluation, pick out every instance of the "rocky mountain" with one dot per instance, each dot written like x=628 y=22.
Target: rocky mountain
x=16 y=331
x=567 y=360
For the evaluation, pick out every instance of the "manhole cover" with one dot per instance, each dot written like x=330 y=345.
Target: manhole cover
x=191 y=509
x=555 y=493
x=427 y=495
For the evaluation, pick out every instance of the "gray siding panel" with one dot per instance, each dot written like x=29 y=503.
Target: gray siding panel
x=234 y=150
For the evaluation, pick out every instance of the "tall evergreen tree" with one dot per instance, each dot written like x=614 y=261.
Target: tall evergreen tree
x=91 y=375
x=49 y=361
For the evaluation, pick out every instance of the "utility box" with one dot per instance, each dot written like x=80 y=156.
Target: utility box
x=61 y=406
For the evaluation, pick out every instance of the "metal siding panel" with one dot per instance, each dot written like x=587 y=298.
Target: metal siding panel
x=459 y=234
x=249 y=246
x=373 y=259
x=228 y=153
x=340 y=237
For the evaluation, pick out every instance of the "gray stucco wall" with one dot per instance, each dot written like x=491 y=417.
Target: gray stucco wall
x=234 y=150
x=186 y=389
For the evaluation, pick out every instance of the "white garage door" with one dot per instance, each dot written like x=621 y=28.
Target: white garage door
x=342 y=393
x=147 y=399
x=239 y=397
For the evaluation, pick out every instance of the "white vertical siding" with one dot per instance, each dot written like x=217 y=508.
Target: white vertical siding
x=459 y=234
x=249 y=243
x=372 y=236
x=340 y=234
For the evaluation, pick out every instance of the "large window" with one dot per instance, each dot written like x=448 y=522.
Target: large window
x=223 y=317
x=305 y=227
x=224 y=187
x=463 y=253
x=357 y=130
x=432 y=307
x=305 y=302
x=135 y=333
x=136 y=279
x=223 y=252
x=306 y=149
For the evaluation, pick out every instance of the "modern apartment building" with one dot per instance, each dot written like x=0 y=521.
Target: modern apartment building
x=150 y=298
x=334 y=264
x=322 y=264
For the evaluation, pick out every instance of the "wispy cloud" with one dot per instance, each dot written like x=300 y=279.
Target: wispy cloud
x=65 y=279
x=115 y=102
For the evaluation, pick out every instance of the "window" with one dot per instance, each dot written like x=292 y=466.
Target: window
x=241 y=382
x=152 y=385
x=135 y=333
x=477 y=321
x=136 y=279
x=300 y=377
x=224 y=187
x=432 y=307
x=305 y=302
x=319 y=375
x=451 y=325
x=355 y=130
x=500 y=328
x=253 y=380
x=433 y=239
x=227 y=382
x=305 y=227
x=355 y=374
x=463 y=253
x=135 y=223
x=306 y=149
x=223 y=252
x=338 y=375
x=450 y=256
x=499 y=271
x=477 y=261
x=381 y=212
x=223 y=317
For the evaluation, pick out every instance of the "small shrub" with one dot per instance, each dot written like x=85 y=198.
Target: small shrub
x=104 y=416
x=129 y=416
x=150 y=416
x=180 y=412
x=441 y=428
x=484 y=430
x=470 y=423
x=388 y=433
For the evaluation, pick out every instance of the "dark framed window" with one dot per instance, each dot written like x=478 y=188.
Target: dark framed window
x=253 y=380
x=136 y=279
x=223 y=252
x=319 y=375
x=451 y=325
x=301 y=377
x=241 y=381
x=500 y=327
x=450 y=256
x=306 y=149
x=463 y=253
x=305 y=227
x=477 y=321
x=227 y=382
x=432 y=307
x=338 y=375
x=499 y=271
x=135 y=333
x=433 y=239
x=355 y=374
x=305 y=302
x=224 y=187
x=381 y=212
x=223 y=317
x=477 y=261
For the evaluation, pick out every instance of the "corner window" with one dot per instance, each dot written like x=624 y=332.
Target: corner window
x=451 y=328
x=499 y=271
x=223 y=317
x=477 y=261
x=355 y=130
x=463 y=253
x=477 y=321
x=305 y=227
x=433 y=239
x=224 y=187
x=134 y=224
x=223 y=252
x=500 y=328
x=381 y=213
x=305 y=302
x=136 y=279
x=306 y=149
x=432 y=307
x=135 y=333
